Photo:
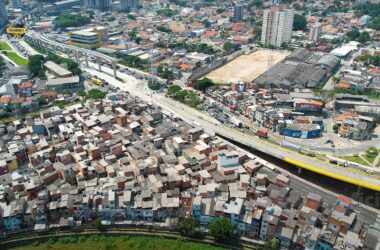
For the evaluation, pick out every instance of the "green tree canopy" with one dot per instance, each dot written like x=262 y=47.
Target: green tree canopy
x=188 y=227
x=221 y=229
x=203 y=84
x=71 y=20
x=36 y=65
x=299 y=22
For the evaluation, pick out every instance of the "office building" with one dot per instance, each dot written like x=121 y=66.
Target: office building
x=315 y=32
x=3 y=14
x=128 y=5
x=277 y=26
x=85 y=38
x=238 y=12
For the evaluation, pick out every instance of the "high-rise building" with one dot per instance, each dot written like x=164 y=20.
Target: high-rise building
x=102 y=5
x=88 y=4
x=128 y=5
x=277 y=26
x=3 y=14
x=238 y=12
x=16 y=3
x=315 y=32
x=276 y=2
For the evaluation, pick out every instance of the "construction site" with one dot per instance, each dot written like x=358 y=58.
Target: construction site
x=247 y=68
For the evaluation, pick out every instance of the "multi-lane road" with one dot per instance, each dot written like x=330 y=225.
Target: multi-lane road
x=138 y=88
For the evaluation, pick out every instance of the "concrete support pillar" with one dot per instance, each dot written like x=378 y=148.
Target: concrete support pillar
x=114 y=69
x=299 y=171
x=86 y=59
x=100 y=66
x=77 y=56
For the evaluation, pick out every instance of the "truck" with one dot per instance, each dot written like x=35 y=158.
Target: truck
x=262 y=133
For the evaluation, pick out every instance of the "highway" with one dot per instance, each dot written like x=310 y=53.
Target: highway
x=212 y=126
x=138 y=88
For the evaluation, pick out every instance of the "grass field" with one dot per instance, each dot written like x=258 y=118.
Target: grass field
x=115 y=243
x=247 y=68
x=7 y=51
x=4 y=46
x=356 y=158
x=15 y=58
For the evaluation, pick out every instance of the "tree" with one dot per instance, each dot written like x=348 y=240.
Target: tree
x=353 y=34
x=299 y=22
x=96 y=94
x=375 y=23
x=188 y=227
x=154 y=85
x=273 y=244
x=203 y=84
x=364 y=37
x=228 y=46
x=71 y=20
x=221 y=229
x=173 y=90
x=36 y=65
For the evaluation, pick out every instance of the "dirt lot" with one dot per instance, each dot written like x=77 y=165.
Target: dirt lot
x=247 y=68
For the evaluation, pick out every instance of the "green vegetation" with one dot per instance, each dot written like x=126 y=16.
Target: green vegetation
x=154 y=85
x=7 y=51
x=14 y=57
x=71 y=20
x=133 y=34
x=299 y=22
x=131 y=17
x=102 y=242
x=368 y=9
x=221 y=229
x=133 y=61
x=230 y=47
x=356 y=159
x=94 y=94
x=203 y=84
x=164 y=72
x=166 y=12
x=36 y=66
x=190 y=47
x=4 y=46
x=163 y=29
x=356 y=35
x=189 y=227
x=375 y=23
x=273 y=244
x=185 y=96
x=370 y=59
x=371 y=154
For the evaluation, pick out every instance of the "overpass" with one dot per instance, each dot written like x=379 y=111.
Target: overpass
x=76 y=53
x=87 y=56
x=213 y=126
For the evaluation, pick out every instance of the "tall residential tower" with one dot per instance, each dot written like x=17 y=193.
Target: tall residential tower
x=3 y=14
x=277 y=26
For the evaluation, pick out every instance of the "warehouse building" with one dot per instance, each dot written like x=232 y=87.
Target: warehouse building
x=65 y=85
x=301 y=69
